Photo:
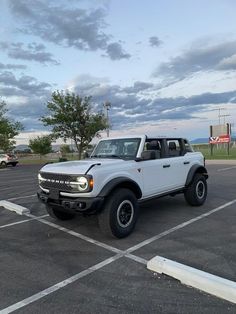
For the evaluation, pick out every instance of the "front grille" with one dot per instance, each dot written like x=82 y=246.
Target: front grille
x=57 y=181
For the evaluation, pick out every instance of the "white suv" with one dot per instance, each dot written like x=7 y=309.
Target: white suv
x=121 y=173
x=8 y=159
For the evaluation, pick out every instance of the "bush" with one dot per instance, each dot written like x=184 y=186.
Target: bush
x=62 y=159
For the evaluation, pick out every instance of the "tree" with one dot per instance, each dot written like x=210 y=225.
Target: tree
x=41 y=145
x=65 y=149
x=71 y=117
x=8 y=129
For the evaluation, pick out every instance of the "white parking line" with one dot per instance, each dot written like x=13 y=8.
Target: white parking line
x=21 y=221
x=178 y=227
x=217 y=286
x=120 y=254
x=58 y=286
x=20 y=197
x=225 y=169
x=76 y=234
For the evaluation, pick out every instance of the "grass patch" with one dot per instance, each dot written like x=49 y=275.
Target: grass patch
x=218 y=153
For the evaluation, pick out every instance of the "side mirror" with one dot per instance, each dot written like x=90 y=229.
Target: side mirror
x=148 y=155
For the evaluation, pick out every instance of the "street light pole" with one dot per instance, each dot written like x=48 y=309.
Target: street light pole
x=107 y=106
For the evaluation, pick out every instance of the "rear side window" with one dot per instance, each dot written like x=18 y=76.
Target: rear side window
x=174 y=148
x=187 y=146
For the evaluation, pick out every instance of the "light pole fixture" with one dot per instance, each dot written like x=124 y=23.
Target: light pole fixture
x=107 y=106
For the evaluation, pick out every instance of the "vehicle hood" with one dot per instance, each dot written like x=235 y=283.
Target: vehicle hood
x=80 y=166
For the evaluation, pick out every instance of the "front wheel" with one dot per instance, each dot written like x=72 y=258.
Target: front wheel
x=3 y=164
x=120 y=214
x=58 y=214
x=196 y=193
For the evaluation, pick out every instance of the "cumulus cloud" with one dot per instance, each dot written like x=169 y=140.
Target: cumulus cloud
x=197 y=59
x=154 y=41
x=12 y=66
x=130 y=107
x=116 y=52
x=23 y=86
x=31 y=52
x=67 y=26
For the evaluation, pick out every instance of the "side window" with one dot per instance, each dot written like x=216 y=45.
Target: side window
x=187 y=146
x=173 y=148
x=153 y=146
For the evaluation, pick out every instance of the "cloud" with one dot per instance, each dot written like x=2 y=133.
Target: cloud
x=31 y=52
x=67 y=26
x=116 y=52
x=12 y=66
x=197 y=59
x=154 y=41
x=130 y=107
x=23 y=86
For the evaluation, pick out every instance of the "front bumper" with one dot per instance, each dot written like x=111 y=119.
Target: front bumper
x=81 y=204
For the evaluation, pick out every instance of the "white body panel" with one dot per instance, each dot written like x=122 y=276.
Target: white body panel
x=154 y=177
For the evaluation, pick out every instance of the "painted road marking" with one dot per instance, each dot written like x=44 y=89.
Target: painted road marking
x=217 y=286
x=178 y=227
x=58 y=286
x=120 y=254
x=76 y=234
x=225 y=169
x=21 y=221
x=20 y=197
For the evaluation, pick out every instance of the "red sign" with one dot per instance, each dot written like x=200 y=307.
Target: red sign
x=219 y=139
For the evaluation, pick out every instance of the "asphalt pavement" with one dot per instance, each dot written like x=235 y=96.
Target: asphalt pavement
x=49 y=266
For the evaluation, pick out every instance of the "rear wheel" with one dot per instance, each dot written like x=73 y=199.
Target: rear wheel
x=58 y=214
x=3 y=164
x=120 y=214
x=14 y=164
x=196 y=192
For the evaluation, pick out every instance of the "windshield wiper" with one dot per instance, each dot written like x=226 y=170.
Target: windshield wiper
x=106 y=156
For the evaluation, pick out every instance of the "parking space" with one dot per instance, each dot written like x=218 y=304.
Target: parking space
x=39 y=254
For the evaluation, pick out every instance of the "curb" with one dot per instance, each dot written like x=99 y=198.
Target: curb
x=20 y=210
x=217 y=286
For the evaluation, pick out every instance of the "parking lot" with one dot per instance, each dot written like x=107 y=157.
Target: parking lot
x=50 y=266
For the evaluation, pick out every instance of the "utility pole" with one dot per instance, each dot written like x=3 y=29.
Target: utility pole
x=107 y=106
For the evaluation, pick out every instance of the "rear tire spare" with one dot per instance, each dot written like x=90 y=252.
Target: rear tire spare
x=120 y=213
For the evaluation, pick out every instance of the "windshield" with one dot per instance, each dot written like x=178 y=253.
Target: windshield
x=117 y=148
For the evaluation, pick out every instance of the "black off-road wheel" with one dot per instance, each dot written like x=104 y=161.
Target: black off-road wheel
x=3 y=164
x=196 y=193
x=58 y=214
x=120 y=213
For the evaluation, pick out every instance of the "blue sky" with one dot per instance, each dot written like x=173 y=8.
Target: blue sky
x=166 y=66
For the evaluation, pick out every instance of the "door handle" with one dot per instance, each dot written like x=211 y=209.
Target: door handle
x=166 y=166
x=186 y=162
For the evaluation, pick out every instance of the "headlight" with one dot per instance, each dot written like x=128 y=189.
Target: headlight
x=82 y=183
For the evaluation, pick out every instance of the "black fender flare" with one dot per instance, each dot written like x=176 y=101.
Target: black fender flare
x=121 y=182
x=193 y=170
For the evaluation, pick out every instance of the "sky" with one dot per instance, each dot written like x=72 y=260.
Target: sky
x=167 y=67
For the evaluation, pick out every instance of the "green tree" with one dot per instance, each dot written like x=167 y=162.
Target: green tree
x=8 y=129
x=71 y=117
x=41 y=145
x=65 y=149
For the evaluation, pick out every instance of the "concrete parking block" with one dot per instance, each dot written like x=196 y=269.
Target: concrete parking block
x=20 y=210
x=217 y=286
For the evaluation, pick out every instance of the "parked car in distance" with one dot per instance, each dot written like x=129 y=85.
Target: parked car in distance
x=8 y=159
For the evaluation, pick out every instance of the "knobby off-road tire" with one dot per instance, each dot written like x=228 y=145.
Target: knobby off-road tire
x=57 y=214
x=196 y=192
x=120 y=213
